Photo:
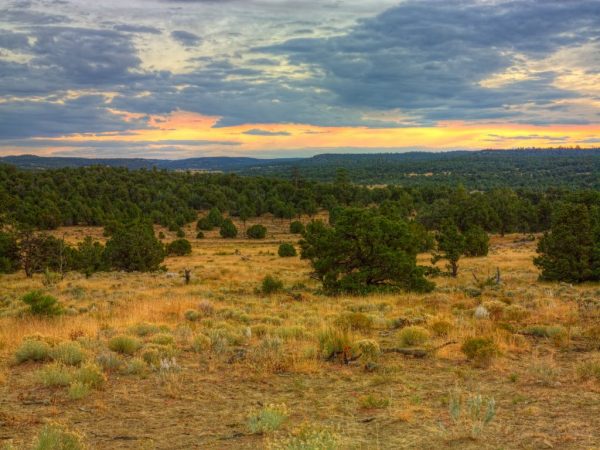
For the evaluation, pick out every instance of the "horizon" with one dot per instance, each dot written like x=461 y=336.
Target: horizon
x=179 y=79
x=310 y=156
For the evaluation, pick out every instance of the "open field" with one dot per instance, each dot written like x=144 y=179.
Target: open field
x=197 y=376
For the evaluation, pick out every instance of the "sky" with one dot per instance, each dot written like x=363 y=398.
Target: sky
x=280 y=78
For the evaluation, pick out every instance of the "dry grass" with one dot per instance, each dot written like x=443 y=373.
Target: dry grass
x=245 y=351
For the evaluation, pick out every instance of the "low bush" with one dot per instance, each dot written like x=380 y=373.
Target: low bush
x=41 y=304
x=354 y=321
x=271 y=285
x=480 y=350
x=109 y=361
x=334 y=342
x=192 y=315
x=441 y=328
x=589 y=370
x=55 y=375
x=57 y=437
x=256 y=232
x=69 y=353
x=371 y=401
x=78 y=390
x=286 y=250
x=267 y=419
x=162 y=339
x=308 y=437
x=179 y=247
x=201 y=343
x=32 y=350
x=228 y=230
x=368 y=350
x=296 y=227
x=90 y=375
x=123 y=344
x=413 y=336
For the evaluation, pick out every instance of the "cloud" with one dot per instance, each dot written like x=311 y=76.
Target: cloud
x=13 y=41
x=429 y=57
x=86 y=114
x=259 y=132
x=186 y=38
x=128 y=28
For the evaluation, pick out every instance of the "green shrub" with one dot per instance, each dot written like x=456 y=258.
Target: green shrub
x=10 y=258
x=123 y=344
x=32 y=350
x=271 y=285
x=90 y=375
x=180 y=233
x=201 y=343
x=514 y=313
x=145 y=329
x=162 y=339
x=56 y=437
x=334 y=342
x=109 y=361
x=215 y=218
x=55 y=375
x=42 y=305
x=179 y=247
x=200 y=235
x=78 y=390
x=137 y=366
x=256 y=232
x=161 y=235
x=441 y=327
x=556 y=333
x=354 y=321
x=286 y=250
x=69 y=353
x=480 y=350
x=589 y=370
x=368 y=349
x=476 y=242
x=267 y=419
x=228 y=229
x=413 y=336
x=204 y=224
x=371 y=401
x=296 y=227
x=192 y=315
x=308 y=437
x=134 y=247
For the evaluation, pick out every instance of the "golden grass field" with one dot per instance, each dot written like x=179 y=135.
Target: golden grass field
x=245 y=351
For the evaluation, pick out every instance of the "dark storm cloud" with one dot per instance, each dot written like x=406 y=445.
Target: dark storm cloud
x=126 y=28
x=186 y=38
x=86 y=56
x=425 y=59
x=13 y=41
x=87 y=114
x=422 y=55
x=259 y=132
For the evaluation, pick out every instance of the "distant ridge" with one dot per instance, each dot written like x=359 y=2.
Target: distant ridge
x=483 y=169
x=217 y=163
x=235 y=163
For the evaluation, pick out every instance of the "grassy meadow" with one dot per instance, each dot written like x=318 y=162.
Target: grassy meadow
x=144 y=361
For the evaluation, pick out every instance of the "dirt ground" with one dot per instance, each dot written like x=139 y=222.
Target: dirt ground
x=543 y=396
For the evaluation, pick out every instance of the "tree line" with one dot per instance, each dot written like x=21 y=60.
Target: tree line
x=106 y=196
x=449 y=221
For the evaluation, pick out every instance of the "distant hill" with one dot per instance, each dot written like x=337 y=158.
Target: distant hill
x=525 y=168
x=219 y=163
